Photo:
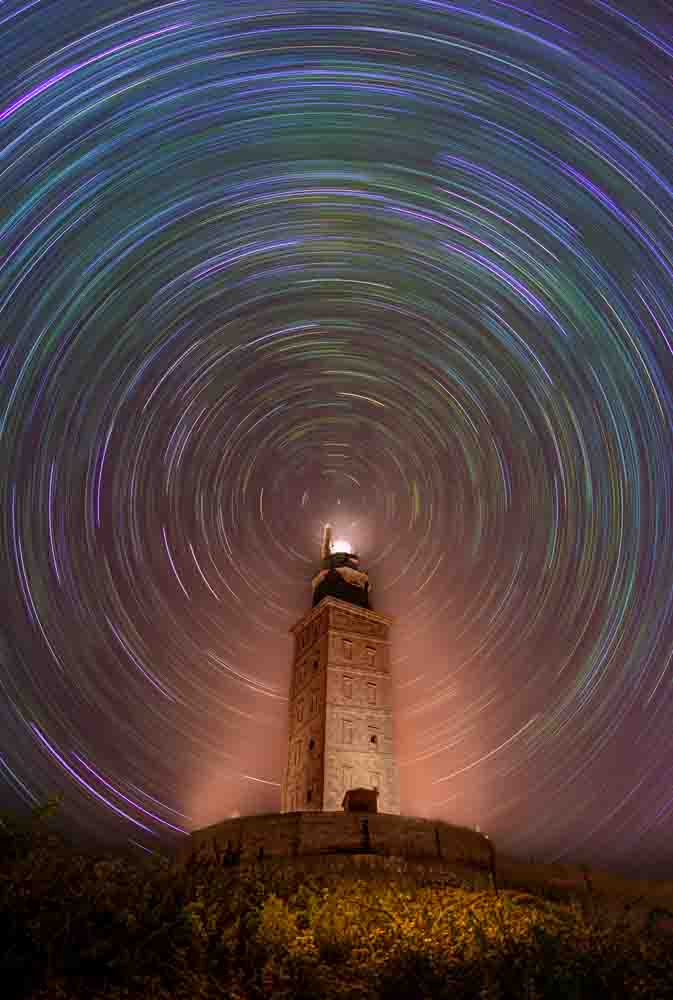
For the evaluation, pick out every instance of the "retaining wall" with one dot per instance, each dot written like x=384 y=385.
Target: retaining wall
x=304 y=835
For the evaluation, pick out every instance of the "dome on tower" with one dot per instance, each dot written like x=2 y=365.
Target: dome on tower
x=340 y=575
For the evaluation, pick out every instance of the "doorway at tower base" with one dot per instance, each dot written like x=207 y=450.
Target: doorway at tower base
x=364 y=800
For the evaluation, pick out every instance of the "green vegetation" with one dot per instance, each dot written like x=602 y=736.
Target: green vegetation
x=75 y=924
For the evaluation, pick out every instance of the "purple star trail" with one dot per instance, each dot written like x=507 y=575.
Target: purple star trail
x=405 y=267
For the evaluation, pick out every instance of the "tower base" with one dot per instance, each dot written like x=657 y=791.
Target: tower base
x=343 y=842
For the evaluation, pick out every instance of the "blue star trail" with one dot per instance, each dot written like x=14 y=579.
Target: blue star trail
x=406 y=267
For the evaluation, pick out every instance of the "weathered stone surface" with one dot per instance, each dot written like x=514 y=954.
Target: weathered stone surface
x=290 y=836
x=340 y=710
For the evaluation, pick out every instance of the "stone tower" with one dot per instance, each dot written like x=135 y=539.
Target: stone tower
x=341 y=726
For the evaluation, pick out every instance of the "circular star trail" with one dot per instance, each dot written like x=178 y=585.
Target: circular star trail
x=402 y=266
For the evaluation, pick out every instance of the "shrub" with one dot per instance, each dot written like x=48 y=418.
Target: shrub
x=85 y=924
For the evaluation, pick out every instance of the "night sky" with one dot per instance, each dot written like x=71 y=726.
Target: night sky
x=401 y=265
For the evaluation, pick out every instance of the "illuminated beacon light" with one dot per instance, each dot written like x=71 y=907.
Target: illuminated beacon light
x=341 y=545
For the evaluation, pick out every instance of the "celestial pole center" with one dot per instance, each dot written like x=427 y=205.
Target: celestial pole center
x=402 y=267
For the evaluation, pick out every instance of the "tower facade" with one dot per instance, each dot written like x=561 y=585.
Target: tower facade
x=340 y=705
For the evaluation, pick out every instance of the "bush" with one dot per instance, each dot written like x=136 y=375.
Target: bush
x=81 y=924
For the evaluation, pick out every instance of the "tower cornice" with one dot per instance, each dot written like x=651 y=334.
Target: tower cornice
x=335 y=602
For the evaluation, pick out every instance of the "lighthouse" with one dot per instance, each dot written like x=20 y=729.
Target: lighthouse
x=340 y=702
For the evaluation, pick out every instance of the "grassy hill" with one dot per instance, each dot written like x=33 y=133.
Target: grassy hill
x=603 y=894
x=92 y=925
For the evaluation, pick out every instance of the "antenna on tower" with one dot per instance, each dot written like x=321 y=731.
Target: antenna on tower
x=326 y=547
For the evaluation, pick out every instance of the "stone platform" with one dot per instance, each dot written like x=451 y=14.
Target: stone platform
x=423 y=849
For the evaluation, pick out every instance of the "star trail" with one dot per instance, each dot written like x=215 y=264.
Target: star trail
x=402 y=266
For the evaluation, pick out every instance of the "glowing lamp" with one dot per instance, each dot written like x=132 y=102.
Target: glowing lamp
x=341 y=545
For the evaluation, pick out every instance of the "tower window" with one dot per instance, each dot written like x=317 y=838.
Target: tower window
x=347 y=686
x=300 y=710
x=348 y=649
x=309 y=794
x=371 y=656
x=311 y=744
x=315 y=664
x=371 y=694
x=374 y=739
x=347 y=731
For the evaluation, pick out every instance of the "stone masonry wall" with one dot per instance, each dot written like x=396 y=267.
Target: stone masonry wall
x=340 y=710
x=359 y=709
x=305 y=835
x=302 y=785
